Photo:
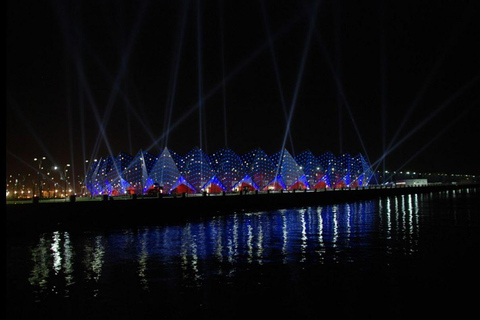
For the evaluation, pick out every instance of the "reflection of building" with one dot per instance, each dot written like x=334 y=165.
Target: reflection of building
x=224 y=171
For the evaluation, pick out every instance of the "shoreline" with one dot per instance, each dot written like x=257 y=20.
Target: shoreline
x=148 y=211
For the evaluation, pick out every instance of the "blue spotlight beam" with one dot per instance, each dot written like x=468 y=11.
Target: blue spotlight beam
x=299 y=80
x=74 y=33
x=383 y=78
x=70 y=130
x=128 y=105
x=200 y=79
x=433 y=114
x=338 y=52
x=277 y=71
x=440 y=133
x=341 y=92
x=230 y=76
x=436 y=67
x=91 y=101
x=15 y=107
x=122 y=70
x=171 y=102
x=222 y=51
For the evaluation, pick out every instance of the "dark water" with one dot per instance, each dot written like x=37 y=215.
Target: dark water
x=398 y=257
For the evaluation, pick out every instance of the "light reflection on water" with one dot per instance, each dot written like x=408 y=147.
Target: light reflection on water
x=221 y=246
x=393 y=251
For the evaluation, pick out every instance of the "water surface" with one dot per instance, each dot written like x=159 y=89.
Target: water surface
x=394 y=257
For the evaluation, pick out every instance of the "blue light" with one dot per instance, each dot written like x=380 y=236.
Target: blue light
x=229 y=168
x=289 y=171
x=165 y=171
x=196 y=168
x=225 y=171
x=260 y=167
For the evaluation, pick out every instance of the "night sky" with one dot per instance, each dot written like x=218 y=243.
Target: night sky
x=86 y=78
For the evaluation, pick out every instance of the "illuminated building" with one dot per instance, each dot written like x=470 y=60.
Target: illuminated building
x=224 y=171
x=136 y=174
x=259 y=167
x=313 y=170
x=197 y=170
x=229 y=169
x=288 y=173
x=165 y=171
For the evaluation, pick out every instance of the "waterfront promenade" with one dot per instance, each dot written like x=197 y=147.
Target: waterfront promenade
x=123 y=211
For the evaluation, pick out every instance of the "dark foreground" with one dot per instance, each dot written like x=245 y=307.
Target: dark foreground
x=401 y=256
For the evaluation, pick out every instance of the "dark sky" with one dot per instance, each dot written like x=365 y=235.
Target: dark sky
x=86 y=78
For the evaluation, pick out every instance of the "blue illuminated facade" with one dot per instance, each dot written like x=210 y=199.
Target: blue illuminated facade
x=259 y=167
x=313 y=170
x=224 y=171
x=165 y=171
x=288 y=173
x=137 y=173
x=229 y=168
x=197 y=169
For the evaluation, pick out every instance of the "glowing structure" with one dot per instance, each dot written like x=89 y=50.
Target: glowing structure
x=329 y=164
x=313 y=169
x=363 y=171
x=114 y=182
x=224 y=171
x=166 y=173
x=136 y=174
x=260 y=168
x=93 y=176
x=229 y=170
x=288 y=173
x=197 y=170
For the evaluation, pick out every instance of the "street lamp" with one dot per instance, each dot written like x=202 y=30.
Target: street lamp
x=65 y=176
x=65 y=170
x=55 y=168
x=39 y=161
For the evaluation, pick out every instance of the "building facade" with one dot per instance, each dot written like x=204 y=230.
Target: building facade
x=224 y=171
